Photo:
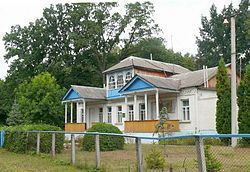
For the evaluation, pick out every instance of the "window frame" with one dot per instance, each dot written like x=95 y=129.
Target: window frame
x=100 y=115
x=131 y=113
x=112 y=82
x=120 y=80
x=185 y=110
x=109 y=114
x=119 y=114
x=128 y=77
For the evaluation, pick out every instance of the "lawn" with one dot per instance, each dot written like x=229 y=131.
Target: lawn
x=179 y=157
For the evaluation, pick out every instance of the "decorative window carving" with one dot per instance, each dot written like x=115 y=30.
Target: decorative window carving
x=111 y=82
x=120 y=82
x=128 y=77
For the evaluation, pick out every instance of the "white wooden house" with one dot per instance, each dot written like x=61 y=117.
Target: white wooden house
x=136 y=90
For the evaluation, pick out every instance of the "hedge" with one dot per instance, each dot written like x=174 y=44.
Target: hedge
x=19 y=141
x=107 y=143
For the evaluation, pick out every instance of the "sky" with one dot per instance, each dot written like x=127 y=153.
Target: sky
x=179 y=20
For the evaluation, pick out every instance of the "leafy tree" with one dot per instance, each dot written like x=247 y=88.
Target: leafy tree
x=157 y=48
x=223 y=108
x=214 y=39
x=40 y=100
x=15 y=115
x=74 y=42
x=244 y=105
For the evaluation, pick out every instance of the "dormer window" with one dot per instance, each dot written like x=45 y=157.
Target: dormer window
x=120 y=81
x=111 y=82
x=128 y=77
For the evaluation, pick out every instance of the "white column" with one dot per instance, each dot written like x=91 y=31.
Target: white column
x=71 y=113
x=136 y=115
x=66 y=112
x=126 y=108
x=78 y=118
x=157 y=104
x=84 y=112
x=146 y=106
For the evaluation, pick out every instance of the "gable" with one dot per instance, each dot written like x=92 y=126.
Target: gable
x=137 y=84
x=71 y=94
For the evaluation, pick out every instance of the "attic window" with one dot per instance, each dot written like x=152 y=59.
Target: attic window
x=111 y=82
x=128 y=77
x=120 y=81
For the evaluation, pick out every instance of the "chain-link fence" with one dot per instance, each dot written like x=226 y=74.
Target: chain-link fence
x=209 y=153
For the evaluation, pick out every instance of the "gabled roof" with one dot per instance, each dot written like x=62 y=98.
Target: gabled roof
x=86 y=92
x=194 y=78
x=148 y=64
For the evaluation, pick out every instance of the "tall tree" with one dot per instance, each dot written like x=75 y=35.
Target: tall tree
x=40 y=100
x=214 y=39
x=244 y=105
x=223 y=110
x=74 y=42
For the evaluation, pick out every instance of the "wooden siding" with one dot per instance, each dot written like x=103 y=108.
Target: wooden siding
x=152 y=73
x=148 y=126
x=75 y=127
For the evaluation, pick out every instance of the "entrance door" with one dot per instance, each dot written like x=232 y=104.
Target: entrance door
x=153 y=110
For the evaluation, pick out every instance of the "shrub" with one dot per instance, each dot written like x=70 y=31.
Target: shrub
x=107 y=143
x=212 y=164
x=155 y=159
x=191 y=141
x=17 y=140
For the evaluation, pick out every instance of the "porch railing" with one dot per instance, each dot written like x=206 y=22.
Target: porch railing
x=75 y=127
x=148 y=126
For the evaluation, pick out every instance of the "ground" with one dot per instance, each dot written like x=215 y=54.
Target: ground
x=180 y=157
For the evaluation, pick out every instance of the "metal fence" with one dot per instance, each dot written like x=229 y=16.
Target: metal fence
x=182 y=153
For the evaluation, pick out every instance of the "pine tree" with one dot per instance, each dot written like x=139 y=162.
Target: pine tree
x=244 y=106
x=223 y=108
x=15 y=116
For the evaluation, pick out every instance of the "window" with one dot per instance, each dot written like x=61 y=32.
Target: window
x=119 y=113
x=128 y=77
x=131 y=112
x=142 y=111
x=168 y=104
x=100 y=114
x=120 y=81
x=186 y=110
x=111 y=82
x=109 y=114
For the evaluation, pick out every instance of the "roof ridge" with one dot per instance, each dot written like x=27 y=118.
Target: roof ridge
x=86 y=86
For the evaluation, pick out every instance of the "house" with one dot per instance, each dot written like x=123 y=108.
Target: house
x=135 y=91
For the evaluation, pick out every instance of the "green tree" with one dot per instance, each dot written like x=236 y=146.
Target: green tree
x=223 y=108
x=214 y=39
x=244 y=105
x=40 y=100
x=15 y=116
x=74 y=42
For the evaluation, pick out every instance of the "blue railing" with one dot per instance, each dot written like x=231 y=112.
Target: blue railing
x=1 y=138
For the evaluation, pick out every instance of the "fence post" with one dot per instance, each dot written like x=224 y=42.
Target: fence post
x=97 y=151
x=200 y=154
x=139 y=154
x=53 y=147
x=1 y=138
x=38 y=143
x=73 y=149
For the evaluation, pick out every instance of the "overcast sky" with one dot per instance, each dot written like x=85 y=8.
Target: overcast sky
x=179 y=19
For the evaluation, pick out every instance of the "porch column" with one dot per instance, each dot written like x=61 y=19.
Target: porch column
x=135 y=108
x=84 y=111
x=66 y=113
x=146 y=106
x=71 y=113
x=126 y=108
x=78 y=119
x=157 y=104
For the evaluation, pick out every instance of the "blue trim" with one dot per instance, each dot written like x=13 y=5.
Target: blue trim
x=137 y=83
x=114 y=93
x=71 y=94
x=1 y=138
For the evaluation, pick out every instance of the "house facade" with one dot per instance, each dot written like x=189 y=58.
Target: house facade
x=135 y=91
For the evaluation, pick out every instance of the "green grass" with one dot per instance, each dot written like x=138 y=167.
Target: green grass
x=178 y=156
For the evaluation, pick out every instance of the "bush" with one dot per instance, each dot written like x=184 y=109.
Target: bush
x=191 y=141
x=17 y=140
x=107 y=143
x=155 y=159
x=212 y=164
